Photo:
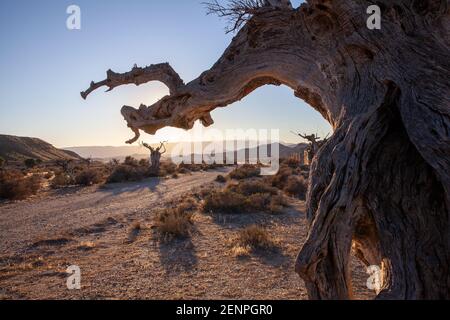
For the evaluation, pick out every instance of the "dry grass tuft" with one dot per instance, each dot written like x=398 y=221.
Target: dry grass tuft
x=251 y=238
x=175 y=222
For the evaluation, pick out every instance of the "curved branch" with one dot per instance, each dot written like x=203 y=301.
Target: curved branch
x=159 y=72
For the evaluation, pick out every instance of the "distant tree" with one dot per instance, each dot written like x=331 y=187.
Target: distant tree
x=155 y=156
x=2 y=162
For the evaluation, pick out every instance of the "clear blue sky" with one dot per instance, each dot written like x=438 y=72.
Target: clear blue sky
x=44 y=66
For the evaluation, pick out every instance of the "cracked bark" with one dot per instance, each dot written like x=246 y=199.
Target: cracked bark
x=381 y=183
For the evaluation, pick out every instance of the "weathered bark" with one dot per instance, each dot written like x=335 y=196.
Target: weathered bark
x=382 y=181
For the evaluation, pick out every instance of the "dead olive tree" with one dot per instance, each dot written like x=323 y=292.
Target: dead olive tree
x=315 y=143
x=155 y=157
x=381 y=183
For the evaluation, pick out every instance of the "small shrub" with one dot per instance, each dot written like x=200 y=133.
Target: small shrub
x=224 y=201
x=280 y=179
x=130 y=161
x=245 y=171
x=256 y=237
x=292 y=162
x=221 y=179
x=168 y=167
x=182 y=170
x=89 y=177
x=174 y=222
x=175 y=176
x=61 y=180
x=248 y=188
x=296 y=186
x=15 y=186
x=30 y=163
x=144 y=163
x=124 y=173
x=2 y=162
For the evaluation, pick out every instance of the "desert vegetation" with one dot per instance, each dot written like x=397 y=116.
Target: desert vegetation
x=31 y=177
x=15 y=185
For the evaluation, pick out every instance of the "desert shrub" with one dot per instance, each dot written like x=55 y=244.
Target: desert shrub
x=175 y=175
x=244 y=197
x=296 y=186
x=291 y=162
x=182 y=170
x=168 y=167
x=130 y=161
x=15 y=186
x=281 y=178
x=245 y=171
x=144 y=163
x=225 y=201
x=220 y=178
x=89 y=177
x=61 y=180
x=248 y=188
x=174 y=222
x=30 y=163
x=255 y=237
x=124 y=173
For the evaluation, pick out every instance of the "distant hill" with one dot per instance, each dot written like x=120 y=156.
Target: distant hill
x=14 y=148
x=107 y=153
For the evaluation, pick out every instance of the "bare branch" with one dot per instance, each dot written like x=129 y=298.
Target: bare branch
x=237 y=12
x=159 y=72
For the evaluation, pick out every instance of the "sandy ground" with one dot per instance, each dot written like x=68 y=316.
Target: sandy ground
x=90 y=228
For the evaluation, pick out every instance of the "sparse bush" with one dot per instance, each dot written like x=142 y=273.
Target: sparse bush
x=175 y=176
x=291 y=162
x=124 y=173
x=61 y=180
x=245 y=171
x=280 y=179
x=89 y=177
x=296 y=186
x=130 y=161
x=224 y=201
x=220 y=178
x=244 y=197
x=248 y=188
x=144 y=163
x=30 y=163
x=182 y=170
x=168 y=167
x=256 y=237
x=15 y=186
x=174 y=222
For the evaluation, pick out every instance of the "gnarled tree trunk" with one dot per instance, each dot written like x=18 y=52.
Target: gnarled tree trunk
x=381 y=184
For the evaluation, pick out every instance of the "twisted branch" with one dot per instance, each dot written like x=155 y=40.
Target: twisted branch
x=159 y=72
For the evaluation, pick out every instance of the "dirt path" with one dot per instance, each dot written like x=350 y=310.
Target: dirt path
x=90 y=228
